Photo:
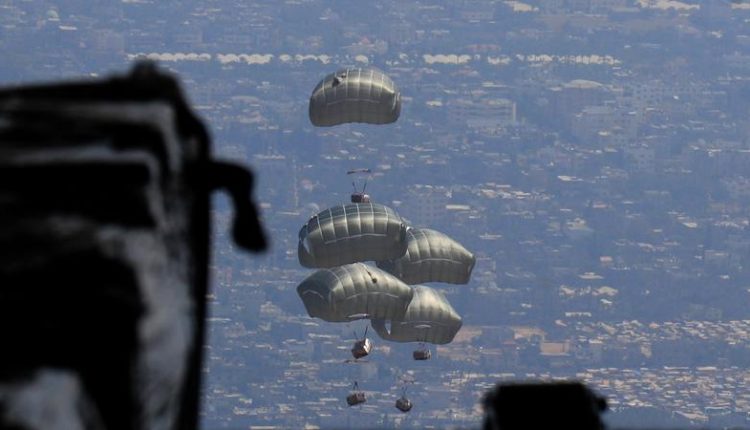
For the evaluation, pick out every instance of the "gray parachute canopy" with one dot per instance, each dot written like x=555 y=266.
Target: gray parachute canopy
x=355 y=95
x=350 y=233
x=431 y=256
x=354 y=291
x=429 y=318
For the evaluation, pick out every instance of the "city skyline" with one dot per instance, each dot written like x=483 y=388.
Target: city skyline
x=592 y=154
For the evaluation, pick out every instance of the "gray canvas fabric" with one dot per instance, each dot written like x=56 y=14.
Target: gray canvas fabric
x=431 y=256
x=354 y=291
x=429 y=318
x=351 y=233
x=356 y=94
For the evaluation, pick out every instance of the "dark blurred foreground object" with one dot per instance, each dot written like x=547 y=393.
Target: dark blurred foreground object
x=562 y=405
x=104 y=229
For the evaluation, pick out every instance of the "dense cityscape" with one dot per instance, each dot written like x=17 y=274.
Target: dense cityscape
x=591 y=153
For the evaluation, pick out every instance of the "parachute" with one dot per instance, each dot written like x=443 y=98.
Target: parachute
x=350 y=233
x=358 y=170
x=354 y=291
x=364 y=95
x=338 y=239
x=431 y=256
x=429 y=318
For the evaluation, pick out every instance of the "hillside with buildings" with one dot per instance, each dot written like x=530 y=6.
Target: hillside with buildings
x=592 y=154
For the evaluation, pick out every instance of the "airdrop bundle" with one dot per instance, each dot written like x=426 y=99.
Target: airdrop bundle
x=338 y=240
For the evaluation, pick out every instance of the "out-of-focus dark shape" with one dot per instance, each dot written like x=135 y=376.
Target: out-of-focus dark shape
x=238 y=183
x=557 y=405
x=355 y=94
x=104 y=207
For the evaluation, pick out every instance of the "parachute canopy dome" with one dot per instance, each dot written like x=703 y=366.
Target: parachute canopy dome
x=353 y=291
x=429 y=318
x=355 y=94
x=431 y=256
x=350 y=233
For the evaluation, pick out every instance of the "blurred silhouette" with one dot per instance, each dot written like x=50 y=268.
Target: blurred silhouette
x=104 y=208
x=557 y=405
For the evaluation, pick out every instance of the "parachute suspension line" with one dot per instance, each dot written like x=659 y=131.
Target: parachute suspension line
x=363 y=336
x=364 y=187
x=295 y=196
x=354 y=186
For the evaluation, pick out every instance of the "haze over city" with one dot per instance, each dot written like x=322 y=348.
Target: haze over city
x=591 y=154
